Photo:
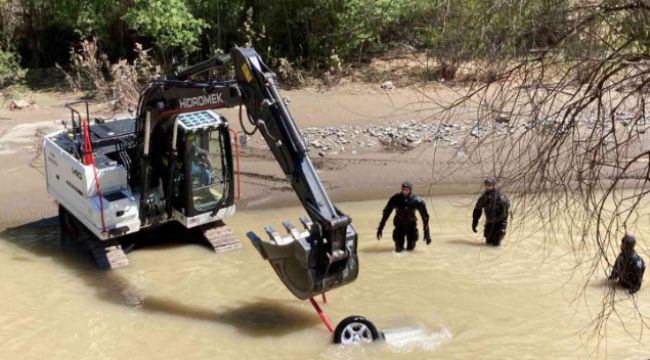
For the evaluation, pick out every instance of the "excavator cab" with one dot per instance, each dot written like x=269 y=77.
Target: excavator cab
x=206 y=185
x=190 y=160
x=204 y=179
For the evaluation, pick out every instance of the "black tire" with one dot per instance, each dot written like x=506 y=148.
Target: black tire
x=355 y=329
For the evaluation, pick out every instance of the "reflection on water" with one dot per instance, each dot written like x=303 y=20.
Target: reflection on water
x=465 y=242
x=182 y=301
x=376 y=250
x=262 y=317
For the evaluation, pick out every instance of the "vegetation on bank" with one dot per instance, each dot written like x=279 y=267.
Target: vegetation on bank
x=320 y=36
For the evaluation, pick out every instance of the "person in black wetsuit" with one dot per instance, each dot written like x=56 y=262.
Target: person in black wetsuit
x=405 y=203
x=629 y=266
x=496 y=206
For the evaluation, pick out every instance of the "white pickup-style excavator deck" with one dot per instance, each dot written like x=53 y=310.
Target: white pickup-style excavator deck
x=73 y=185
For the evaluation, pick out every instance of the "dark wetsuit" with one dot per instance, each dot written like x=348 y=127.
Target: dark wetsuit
x=495 y=205
x=405 y=221
x=628 y=269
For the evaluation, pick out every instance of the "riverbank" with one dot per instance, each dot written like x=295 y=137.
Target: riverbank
x=364 y=140
x=369 y=168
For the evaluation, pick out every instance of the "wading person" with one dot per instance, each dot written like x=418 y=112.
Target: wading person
x=629 y=266
x=405 y=203
x=495 y=206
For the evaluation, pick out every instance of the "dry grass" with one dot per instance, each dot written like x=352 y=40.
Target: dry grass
x=91 y=72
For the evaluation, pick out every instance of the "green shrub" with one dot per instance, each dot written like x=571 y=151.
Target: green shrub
x=169 y=23
x=10 y=70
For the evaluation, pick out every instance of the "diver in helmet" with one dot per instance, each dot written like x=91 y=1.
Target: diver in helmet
x=405 y=203
x=629 y=266
x=496 y=206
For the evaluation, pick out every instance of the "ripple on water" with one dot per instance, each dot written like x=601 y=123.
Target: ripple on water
x=178 y=301
x=417 y=341
x=415 y=338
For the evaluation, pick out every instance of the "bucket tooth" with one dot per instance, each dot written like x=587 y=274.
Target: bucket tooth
x=273 y=235
x=257 y=242
x=295 y=234
x=306 y=222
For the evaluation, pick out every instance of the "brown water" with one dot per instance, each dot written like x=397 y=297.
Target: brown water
x=183 y=302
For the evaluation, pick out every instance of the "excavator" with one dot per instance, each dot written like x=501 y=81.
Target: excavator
x=173 y=162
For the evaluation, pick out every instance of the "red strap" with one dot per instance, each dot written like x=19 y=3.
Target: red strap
x=89 y=159
x=322 y=315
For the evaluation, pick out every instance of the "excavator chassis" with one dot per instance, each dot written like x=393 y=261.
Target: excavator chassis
x=111 y=254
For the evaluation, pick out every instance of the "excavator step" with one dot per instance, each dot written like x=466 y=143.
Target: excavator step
x=221 y=238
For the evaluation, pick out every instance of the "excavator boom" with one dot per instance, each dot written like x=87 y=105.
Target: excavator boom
x=323 y=256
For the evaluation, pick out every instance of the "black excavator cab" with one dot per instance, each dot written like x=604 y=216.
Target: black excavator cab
x=191 y=154
x=206 y=181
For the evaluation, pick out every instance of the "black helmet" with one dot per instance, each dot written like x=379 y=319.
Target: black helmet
x=407 y=184
x=490 y=181
x=629 y=241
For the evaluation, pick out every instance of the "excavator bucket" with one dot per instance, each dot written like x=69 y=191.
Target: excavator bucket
x=305 y=262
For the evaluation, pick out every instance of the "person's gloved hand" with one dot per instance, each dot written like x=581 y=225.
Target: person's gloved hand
x=379 y=234
x=427 y=236
x=474 y=225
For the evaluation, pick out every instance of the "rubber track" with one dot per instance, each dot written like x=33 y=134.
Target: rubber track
x=221 y=238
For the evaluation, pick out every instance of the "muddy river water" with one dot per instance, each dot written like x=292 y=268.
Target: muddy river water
x=522 y=301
